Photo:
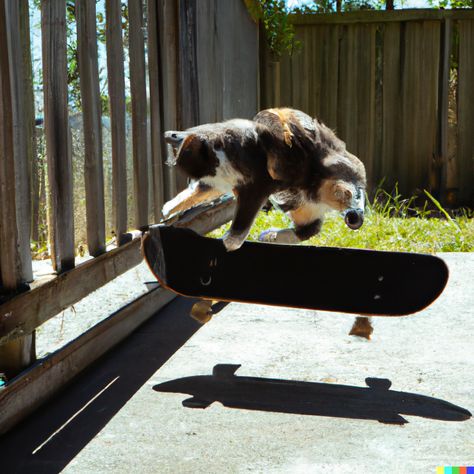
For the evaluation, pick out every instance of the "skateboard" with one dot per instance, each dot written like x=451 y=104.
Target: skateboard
x=345 y=280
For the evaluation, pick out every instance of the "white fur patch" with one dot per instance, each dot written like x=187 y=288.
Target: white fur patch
x=226 y=178
x=234 y=241
x=177 y=200
x=315 y=210
x=332 y=160
x=245 y=126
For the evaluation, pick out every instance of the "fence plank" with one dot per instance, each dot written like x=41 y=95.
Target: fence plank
x=439 y=181
x=188 y=92
x=465 y=161
x=168 y=32
x=419 y=105
x=92 y=125
x=347 y=88
x=31 y=140
x=389 y=158
x=139 y=112
x=365 y=96
x=238 y=39
x=57 y=132
x=210 y=67
x=156 y=122
x=116 y=88
x=23 y=119
x=17 y=354
x=298 y=74
x=329 y=87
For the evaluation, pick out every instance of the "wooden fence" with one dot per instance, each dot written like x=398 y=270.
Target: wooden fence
x=382 y=80
x=192 y=53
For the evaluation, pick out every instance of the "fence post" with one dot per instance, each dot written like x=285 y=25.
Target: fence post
x=441 y=162
x=115 y=70
x=168 y=36
x=139 y=113
x=19 y=353
x=57 y=133
x=465 y=103
x=156 y=116
x=92 y=125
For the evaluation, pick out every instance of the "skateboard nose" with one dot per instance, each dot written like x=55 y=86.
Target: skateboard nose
x=354 y=218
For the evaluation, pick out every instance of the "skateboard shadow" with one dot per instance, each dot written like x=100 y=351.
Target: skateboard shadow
x=374 y=402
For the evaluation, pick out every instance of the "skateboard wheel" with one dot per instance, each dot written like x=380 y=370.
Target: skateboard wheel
x=202 y=311
x=362 y=327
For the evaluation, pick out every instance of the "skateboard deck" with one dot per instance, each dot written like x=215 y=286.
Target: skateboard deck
x=318 y=278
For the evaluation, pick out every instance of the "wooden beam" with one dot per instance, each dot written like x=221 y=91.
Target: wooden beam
x=24 y=394
x=25 y=312
x=116 y=85
x=58 y=138
x=92 y=125
x=139 y=112
x=380 y=16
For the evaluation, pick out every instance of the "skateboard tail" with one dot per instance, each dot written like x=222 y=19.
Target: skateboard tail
x=152 y=249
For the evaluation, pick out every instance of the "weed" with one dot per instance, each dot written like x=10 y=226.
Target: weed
x=391 y=223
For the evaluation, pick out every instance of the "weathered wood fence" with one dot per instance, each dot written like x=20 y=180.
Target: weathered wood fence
x=383 y=80
x=195 y=57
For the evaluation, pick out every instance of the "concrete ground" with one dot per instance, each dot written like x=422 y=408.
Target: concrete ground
x=298 y=403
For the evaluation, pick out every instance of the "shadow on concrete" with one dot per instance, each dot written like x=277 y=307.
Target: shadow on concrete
x=49 y=439
x=376 y=402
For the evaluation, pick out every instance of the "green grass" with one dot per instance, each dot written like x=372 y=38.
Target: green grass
x=390 y=224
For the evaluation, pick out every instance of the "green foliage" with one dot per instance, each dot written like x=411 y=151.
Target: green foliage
x=279 y=32
x=451 y=3
x=391 y=223
x=329 y=6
